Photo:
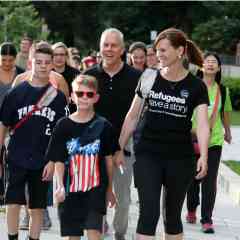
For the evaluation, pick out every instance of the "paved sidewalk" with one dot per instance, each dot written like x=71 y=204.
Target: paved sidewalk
x=226 y=215
x=232 y=151
x=226 y=221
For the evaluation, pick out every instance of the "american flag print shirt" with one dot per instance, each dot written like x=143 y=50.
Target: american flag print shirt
x=83 y=165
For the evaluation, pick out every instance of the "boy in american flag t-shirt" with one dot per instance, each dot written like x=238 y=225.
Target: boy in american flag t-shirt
x=82 y=146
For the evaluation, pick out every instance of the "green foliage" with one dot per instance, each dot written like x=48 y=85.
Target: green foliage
x=17 y=19
x=232 y=83
x=234 y=165
x=234 y=86
x=235 y=118
x=81 y=23
x=218 y=34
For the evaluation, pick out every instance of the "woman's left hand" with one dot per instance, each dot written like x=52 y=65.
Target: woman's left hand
x=202 y=167
x=228 y=137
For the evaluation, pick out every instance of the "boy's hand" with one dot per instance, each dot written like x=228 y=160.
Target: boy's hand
x=111 y=199
x=59 y=194
x=48 y=171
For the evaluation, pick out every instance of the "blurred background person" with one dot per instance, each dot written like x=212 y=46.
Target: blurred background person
x=88 y=62
x=76 y=62
x=8 y=68
x=138 y=55
x=151 y=61
x=98 y=58
x=60 y=65
x=22 y=56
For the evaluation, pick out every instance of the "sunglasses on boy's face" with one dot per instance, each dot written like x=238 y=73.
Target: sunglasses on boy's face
x=89 y=94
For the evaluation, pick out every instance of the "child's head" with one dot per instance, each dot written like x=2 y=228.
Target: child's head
x=85 y=89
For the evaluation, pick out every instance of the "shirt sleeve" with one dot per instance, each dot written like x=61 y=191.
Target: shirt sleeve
x=109 y=140
x=202 y=94
x=57 y=151
x=228 y=104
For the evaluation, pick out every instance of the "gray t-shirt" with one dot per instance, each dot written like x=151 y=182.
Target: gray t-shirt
x=3 y=91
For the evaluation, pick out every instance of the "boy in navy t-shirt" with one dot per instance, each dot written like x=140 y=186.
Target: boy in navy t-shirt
x=82 y=145
x=28 y=142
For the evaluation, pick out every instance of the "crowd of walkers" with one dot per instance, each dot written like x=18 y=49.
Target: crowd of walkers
x=95 y=124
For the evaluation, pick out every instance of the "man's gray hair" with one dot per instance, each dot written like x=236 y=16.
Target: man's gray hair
x=117 y=32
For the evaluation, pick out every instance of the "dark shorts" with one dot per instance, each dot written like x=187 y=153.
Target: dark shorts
x=93 y=221
x=18 y=179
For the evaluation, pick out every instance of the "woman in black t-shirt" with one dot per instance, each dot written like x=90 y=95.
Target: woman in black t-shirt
x=164 y=152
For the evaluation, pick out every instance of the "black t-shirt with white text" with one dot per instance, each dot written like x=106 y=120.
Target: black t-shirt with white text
x=28 y=144
x=168 y=117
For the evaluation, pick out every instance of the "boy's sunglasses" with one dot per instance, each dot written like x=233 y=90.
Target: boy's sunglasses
x=89 y=94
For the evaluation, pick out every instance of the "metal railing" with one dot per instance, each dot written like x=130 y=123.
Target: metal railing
x=230 y=59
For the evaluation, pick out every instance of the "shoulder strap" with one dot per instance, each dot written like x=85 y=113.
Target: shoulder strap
x=147 y=80
x=223 y=96
x=46 y=98
x=215 y=109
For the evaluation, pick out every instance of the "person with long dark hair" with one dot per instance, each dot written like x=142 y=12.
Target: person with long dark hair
x=164 y=152
x=220 y=131
x=8 y=71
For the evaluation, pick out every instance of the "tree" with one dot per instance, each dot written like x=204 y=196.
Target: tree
x=80 y=23
x=218 y=34
x=17 y=19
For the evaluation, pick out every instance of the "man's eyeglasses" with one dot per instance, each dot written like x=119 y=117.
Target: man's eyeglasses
x=89 y=94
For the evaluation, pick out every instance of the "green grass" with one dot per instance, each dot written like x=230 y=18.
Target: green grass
x=235 y=118
x=234 y=165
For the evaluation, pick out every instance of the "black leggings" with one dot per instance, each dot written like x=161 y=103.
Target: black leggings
x=153 y=172
x=208 y=187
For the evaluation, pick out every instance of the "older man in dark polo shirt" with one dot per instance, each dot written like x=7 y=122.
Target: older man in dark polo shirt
x=117 y=83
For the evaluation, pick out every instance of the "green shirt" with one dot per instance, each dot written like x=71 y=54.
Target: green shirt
x=217 y=134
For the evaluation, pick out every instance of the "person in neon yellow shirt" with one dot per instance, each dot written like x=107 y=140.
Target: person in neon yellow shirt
x=220 y=131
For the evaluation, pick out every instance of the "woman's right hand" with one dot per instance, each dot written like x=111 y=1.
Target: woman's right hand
x=60 y=194
x=202 y=167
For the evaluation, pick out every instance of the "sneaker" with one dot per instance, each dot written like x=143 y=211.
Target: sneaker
x=46 y=221
x=207 y=228
x=191 y=217
x=24 y=223
x=118 y=236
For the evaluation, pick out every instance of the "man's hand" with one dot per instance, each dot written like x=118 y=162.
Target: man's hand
x=202 y=167
x=119 y=159
x=111 y=199
x=48 y=171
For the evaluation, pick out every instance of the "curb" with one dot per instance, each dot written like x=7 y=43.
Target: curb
x=230 y=183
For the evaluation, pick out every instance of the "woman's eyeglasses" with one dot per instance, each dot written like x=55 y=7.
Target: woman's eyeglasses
x=89 y=94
